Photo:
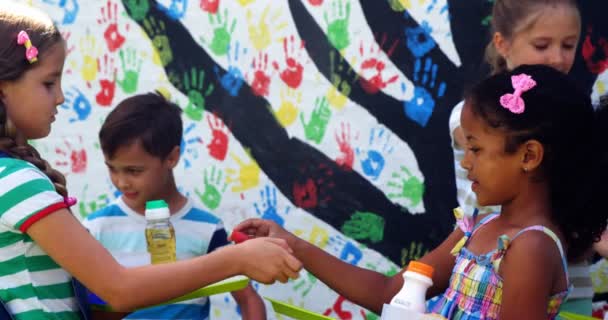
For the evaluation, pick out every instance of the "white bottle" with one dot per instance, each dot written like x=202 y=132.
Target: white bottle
x=410 y=301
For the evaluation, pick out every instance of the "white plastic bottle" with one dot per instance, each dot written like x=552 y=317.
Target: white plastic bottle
x=410 y=301
x=160 y=235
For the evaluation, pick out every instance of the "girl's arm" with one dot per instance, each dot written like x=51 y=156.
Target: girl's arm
x=251 y=304
x=63 y=238
x=531 y=271
x=364 y=287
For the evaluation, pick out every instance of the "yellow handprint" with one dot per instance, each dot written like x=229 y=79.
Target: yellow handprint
x=245 y=3
x=288 y=111
x=259 y=33
x=90 y=52
x=248 y=175
x=336 y=99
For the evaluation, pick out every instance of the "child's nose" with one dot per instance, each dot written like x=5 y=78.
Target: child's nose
x=465 y=163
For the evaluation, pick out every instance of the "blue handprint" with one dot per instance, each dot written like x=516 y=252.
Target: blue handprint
x=345 y=250
x=419 y=39
x=176 y=10
x=77 y=101
x=421 y=106
x=188 y=145
x=373 y=160
x=70 y=9
x=269 y=205
x=233 y=79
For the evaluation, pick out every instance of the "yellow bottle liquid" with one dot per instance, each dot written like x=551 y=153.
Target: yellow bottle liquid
x=160 y=234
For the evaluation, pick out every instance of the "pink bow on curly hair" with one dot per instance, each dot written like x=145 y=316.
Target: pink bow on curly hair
x=31 y=52
x=513 y=101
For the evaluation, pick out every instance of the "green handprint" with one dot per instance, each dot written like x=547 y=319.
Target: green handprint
x=158 y=33
x=314 y=130
x=371 y=316
x=415 y=252
x=337 y=29
x=131 y=67
x=221 y=35
x=138 y=9
x=396 y=5
x=409 y=187
x=193 y=84
x=364 y=225
x=306 y=283
x=87 y=207
x=212 y=196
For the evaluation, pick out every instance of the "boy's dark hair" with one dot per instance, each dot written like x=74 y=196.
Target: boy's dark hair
x=148 y=118
x=559 y=115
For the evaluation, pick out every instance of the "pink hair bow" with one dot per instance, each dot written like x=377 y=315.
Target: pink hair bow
x=513 y=101
x=31 y=52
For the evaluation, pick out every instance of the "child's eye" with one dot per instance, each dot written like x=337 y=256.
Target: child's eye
x=134 y=171
x=49 y=84
x=474 y=149
x=541 y=47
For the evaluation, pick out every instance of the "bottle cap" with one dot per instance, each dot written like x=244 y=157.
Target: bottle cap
x=421 y=268
x=238 y=236
x=157 y=209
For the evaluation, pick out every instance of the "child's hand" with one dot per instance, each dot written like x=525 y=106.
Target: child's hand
x=267 y=260
x=265 y=228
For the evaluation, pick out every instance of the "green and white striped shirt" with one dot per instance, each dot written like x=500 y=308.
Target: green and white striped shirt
x=32 y=285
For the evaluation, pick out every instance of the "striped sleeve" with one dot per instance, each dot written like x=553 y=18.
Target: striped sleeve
x=26 y=195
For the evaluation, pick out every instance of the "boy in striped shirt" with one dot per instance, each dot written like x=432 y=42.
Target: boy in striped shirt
x=141 y=141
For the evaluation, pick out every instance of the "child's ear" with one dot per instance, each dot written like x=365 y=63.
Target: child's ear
x=501 y=44
x=533 y=153
x=173 y=157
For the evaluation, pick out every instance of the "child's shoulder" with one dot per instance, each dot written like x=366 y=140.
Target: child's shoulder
x=111 y=210
x=537 y=240
x=10 y=165
x=197 y=214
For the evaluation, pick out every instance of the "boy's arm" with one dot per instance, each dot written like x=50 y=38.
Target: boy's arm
x=251 y=304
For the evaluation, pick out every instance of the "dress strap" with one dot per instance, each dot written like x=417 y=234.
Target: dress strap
x=489 y=217
x=555 y=238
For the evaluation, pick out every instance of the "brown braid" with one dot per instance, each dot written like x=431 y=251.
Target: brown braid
x=25 y=152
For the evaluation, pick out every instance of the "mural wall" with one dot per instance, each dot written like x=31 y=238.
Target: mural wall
x=329 y=117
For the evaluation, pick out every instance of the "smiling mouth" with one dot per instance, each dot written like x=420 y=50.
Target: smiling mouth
x=130 y=195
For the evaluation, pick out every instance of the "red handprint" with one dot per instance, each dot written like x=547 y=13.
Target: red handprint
x=315 y=2
x=210 y=5
x=313 y=191
x=292 y=74
x=261 y=80
x=108 y=84
x=218 y=147
x=337 y=308
x=372 y=68
x=109 y=17
x=77 y=158
x=596 y=57
x=305 y=194
x=347 y=156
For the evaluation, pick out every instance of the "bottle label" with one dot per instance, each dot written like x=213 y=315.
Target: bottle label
x=161 y=245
